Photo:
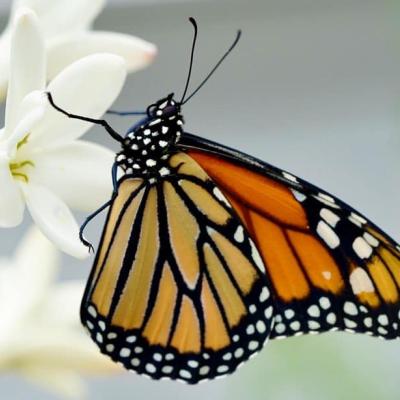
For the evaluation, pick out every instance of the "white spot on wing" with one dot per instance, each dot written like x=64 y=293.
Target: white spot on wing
x=204 y=370
x=268 y=312
x=371 y=240
x=260 y=326
x=264 y=295
x=350 y=308
x=239 y=234
x=150 y=368
x=329 y=216
x=239 y=352
x=349 y=323
x=358 y=218
x=299 y=196
x=327 y=234
x=257 y=257
x=326 y=199
x=125 y=352
x=92 y=311
x=219 y=195
x=185 y=374
x=368 y=322
x=280 y=328
x=313 y=311
x=253 y=345
x=360 y=281
x=289 y=313
x=362 y=248
x=324 y=302
x=331 y=318
x=289 y=177
x=295 y=325
x=383 y=319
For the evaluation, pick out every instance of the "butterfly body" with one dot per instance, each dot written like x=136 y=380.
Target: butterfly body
x=147 y=146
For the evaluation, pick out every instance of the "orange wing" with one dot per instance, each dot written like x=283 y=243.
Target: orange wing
x=329 y=267
x=177 y=289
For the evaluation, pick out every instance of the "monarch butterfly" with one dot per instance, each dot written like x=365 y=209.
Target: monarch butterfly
x=208 y=252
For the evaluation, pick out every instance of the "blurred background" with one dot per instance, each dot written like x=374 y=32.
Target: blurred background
x=314 y=88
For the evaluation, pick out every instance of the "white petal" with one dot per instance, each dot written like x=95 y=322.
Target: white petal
x=47 y=340
x=37 y=262
x=69 y=292
x=79 y=173
x=63 y=16
x=32 y=111
x=35 y=266
x=54 y=219
x=87 y=87
x=27 y=69
x=4 y=65
x=64 y=50
x=11 y=201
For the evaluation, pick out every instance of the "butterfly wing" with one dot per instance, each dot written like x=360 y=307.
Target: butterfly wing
x=329 y=266
x=178 y=289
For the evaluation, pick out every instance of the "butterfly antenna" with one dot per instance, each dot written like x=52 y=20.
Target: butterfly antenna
x=194 y=23
x=233 y=45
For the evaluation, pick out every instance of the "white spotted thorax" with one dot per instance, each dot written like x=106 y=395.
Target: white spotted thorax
x=147 y=147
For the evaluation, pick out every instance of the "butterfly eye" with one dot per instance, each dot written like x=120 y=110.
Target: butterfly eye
x=151 y=110
x=170 y=110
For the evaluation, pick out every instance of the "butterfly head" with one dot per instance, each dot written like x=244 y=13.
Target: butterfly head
x=151 y=141
x=166 y=108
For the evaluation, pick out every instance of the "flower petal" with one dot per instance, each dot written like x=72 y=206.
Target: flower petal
x=62 y=51
x=66 y=292
x=87 y=87
x=64 y=16
x=11 y=201
x=4 y=65
x=27 y=68
x=74 y=170
x=54 y=219
x=36 y=262
x=31 y=112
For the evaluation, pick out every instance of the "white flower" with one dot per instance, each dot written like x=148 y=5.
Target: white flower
x=65 y=25
x=41 y=337
x=42 y=164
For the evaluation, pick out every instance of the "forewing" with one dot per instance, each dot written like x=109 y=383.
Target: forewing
x=330 y=267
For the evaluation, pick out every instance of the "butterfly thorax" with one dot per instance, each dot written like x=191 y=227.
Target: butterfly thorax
x=148 y=146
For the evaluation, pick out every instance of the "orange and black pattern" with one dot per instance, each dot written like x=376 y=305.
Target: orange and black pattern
x=329 y=267
x=208 y=252
x=178 y=289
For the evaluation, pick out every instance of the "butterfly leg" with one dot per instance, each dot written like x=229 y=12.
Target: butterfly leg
x=101 y=122
x=98 y=211
x=87 y=220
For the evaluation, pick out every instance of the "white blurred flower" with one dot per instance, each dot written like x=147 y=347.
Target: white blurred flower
x=42 y=164
x=65 y=25
x=41 y=337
